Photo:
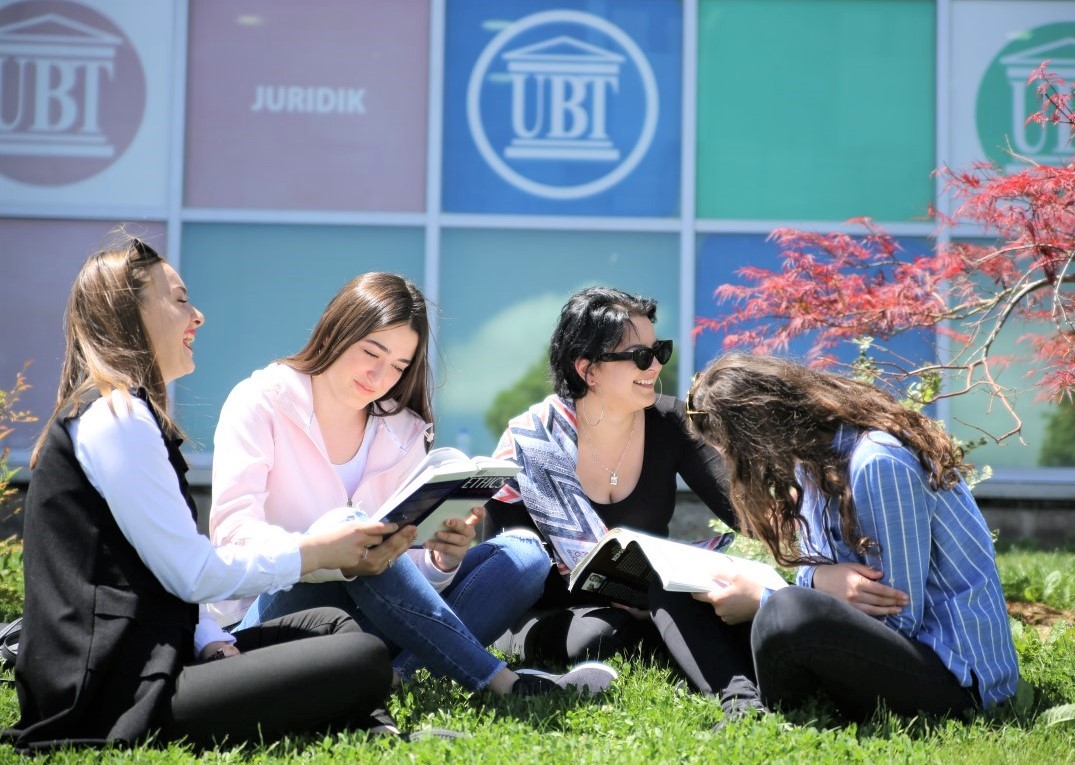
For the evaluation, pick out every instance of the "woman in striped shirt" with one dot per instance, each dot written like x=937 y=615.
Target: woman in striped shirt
x=899 y=599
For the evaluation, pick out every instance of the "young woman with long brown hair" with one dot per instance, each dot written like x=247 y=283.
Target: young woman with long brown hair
x=837 y=477
x=341 y=424
x=112 y=648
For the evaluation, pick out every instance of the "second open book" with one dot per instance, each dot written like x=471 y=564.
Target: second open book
x=446 y=484
x=622 y=564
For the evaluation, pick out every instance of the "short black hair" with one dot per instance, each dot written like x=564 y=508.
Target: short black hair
x=592 y=322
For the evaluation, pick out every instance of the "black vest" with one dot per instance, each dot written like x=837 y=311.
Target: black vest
x=102 y=640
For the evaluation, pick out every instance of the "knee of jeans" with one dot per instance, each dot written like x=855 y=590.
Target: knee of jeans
x=528 y=557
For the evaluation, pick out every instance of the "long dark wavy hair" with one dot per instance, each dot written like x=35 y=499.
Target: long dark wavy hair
x=368 y=303
x=107 y=347
x=592 y=322
x=769 y=415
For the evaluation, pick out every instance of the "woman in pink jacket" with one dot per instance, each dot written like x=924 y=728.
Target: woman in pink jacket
x=340 y=424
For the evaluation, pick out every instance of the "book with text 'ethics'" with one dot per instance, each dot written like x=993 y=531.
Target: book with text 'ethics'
x=446 y=484
x=622 y=564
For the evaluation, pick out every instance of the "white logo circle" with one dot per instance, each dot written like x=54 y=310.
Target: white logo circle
x=509 y=174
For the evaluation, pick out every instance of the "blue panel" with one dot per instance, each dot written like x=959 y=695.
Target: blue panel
x=721 y=256
x=571 y=111
x=262 y=289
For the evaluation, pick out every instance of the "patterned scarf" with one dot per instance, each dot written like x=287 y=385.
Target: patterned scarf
x=544 y=441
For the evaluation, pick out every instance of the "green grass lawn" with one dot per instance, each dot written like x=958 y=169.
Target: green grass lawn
x=646 y=719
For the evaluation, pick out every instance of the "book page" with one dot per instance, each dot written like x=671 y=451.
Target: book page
x=686 y=568
x=445 y=456
x=683 y=565
x=490 y=466
x=446 y=465
x=696 y=571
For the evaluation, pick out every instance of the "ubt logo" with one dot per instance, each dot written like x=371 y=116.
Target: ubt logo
x=562 y=104
x=72 y=92
x=1005 y=100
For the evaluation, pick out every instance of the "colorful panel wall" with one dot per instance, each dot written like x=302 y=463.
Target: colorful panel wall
x=501 y=153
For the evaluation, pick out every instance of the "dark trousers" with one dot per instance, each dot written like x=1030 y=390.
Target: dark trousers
x=575 y=633
x=714 y=656
x=804 y=641
x=305 y=672
x=565 y=628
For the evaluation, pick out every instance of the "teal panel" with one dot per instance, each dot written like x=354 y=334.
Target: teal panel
x=976 y=414
x=262 y=289
x=815 y=109
x=501 y=294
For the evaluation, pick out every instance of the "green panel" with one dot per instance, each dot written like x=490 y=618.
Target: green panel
x=501 y=294
x=262 y=289
x=815 y=109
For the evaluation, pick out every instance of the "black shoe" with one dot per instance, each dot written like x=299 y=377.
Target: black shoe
x=592 y=677
x=428 y=733
x=739 y=710
x=380 y=723
x=733 y=718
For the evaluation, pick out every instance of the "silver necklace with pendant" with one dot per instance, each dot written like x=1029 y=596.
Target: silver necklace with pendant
x=613 y=477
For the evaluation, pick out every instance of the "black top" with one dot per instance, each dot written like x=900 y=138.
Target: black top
x=669 y=450
x=102 y=640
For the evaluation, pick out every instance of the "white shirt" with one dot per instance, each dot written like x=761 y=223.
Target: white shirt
x=122 y=452
x=352 y=471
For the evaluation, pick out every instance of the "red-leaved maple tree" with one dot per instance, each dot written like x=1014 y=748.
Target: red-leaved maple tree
x=837 y=287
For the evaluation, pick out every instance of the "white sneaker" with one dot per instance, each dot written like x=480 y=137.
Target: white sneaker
x=591 y=677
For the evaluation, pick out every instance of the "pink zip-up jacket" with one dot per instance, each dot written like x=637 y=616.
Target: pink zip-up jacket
x=272 y=476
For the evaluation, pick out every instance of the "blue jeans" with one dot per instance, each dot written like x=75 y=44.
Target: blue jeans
x=445 y=632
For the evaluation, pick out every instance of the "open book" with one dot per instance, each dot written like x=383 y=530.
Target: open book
x=622 y=564
x=446 y=484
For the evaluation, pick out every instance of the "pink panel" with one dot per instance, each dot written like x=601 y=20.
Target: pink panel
x=39 y=260
x=289 y=108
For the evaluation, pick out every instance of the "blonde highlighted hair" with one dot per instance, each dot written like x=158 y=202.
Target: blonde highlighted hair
x=107 y=347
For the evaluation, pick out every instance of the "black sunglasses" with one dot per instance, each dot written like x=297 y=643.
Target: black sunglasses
x=140 y=252
x=642 y=357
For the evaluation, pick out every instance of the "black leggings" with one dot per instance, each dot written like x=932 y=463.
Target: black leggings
x=714 y=656
x=573 y=633
x=304 y=672
x=565 y=628
x=803 y=642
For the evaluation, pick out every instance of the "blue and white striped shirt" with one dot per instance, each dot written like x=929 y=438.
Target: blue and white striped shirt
x=934 y=546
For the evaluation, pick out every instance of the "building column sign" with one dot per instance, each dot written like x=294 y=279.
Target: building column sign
x=72 y=92
x=563 y=110
x=995 y=49
x=566 y=85
x=559 y=92
x=1043 y=144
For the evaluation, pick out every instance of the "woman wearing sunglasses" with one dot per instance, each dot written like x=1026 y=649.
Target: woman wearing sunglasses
x=604 y=451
